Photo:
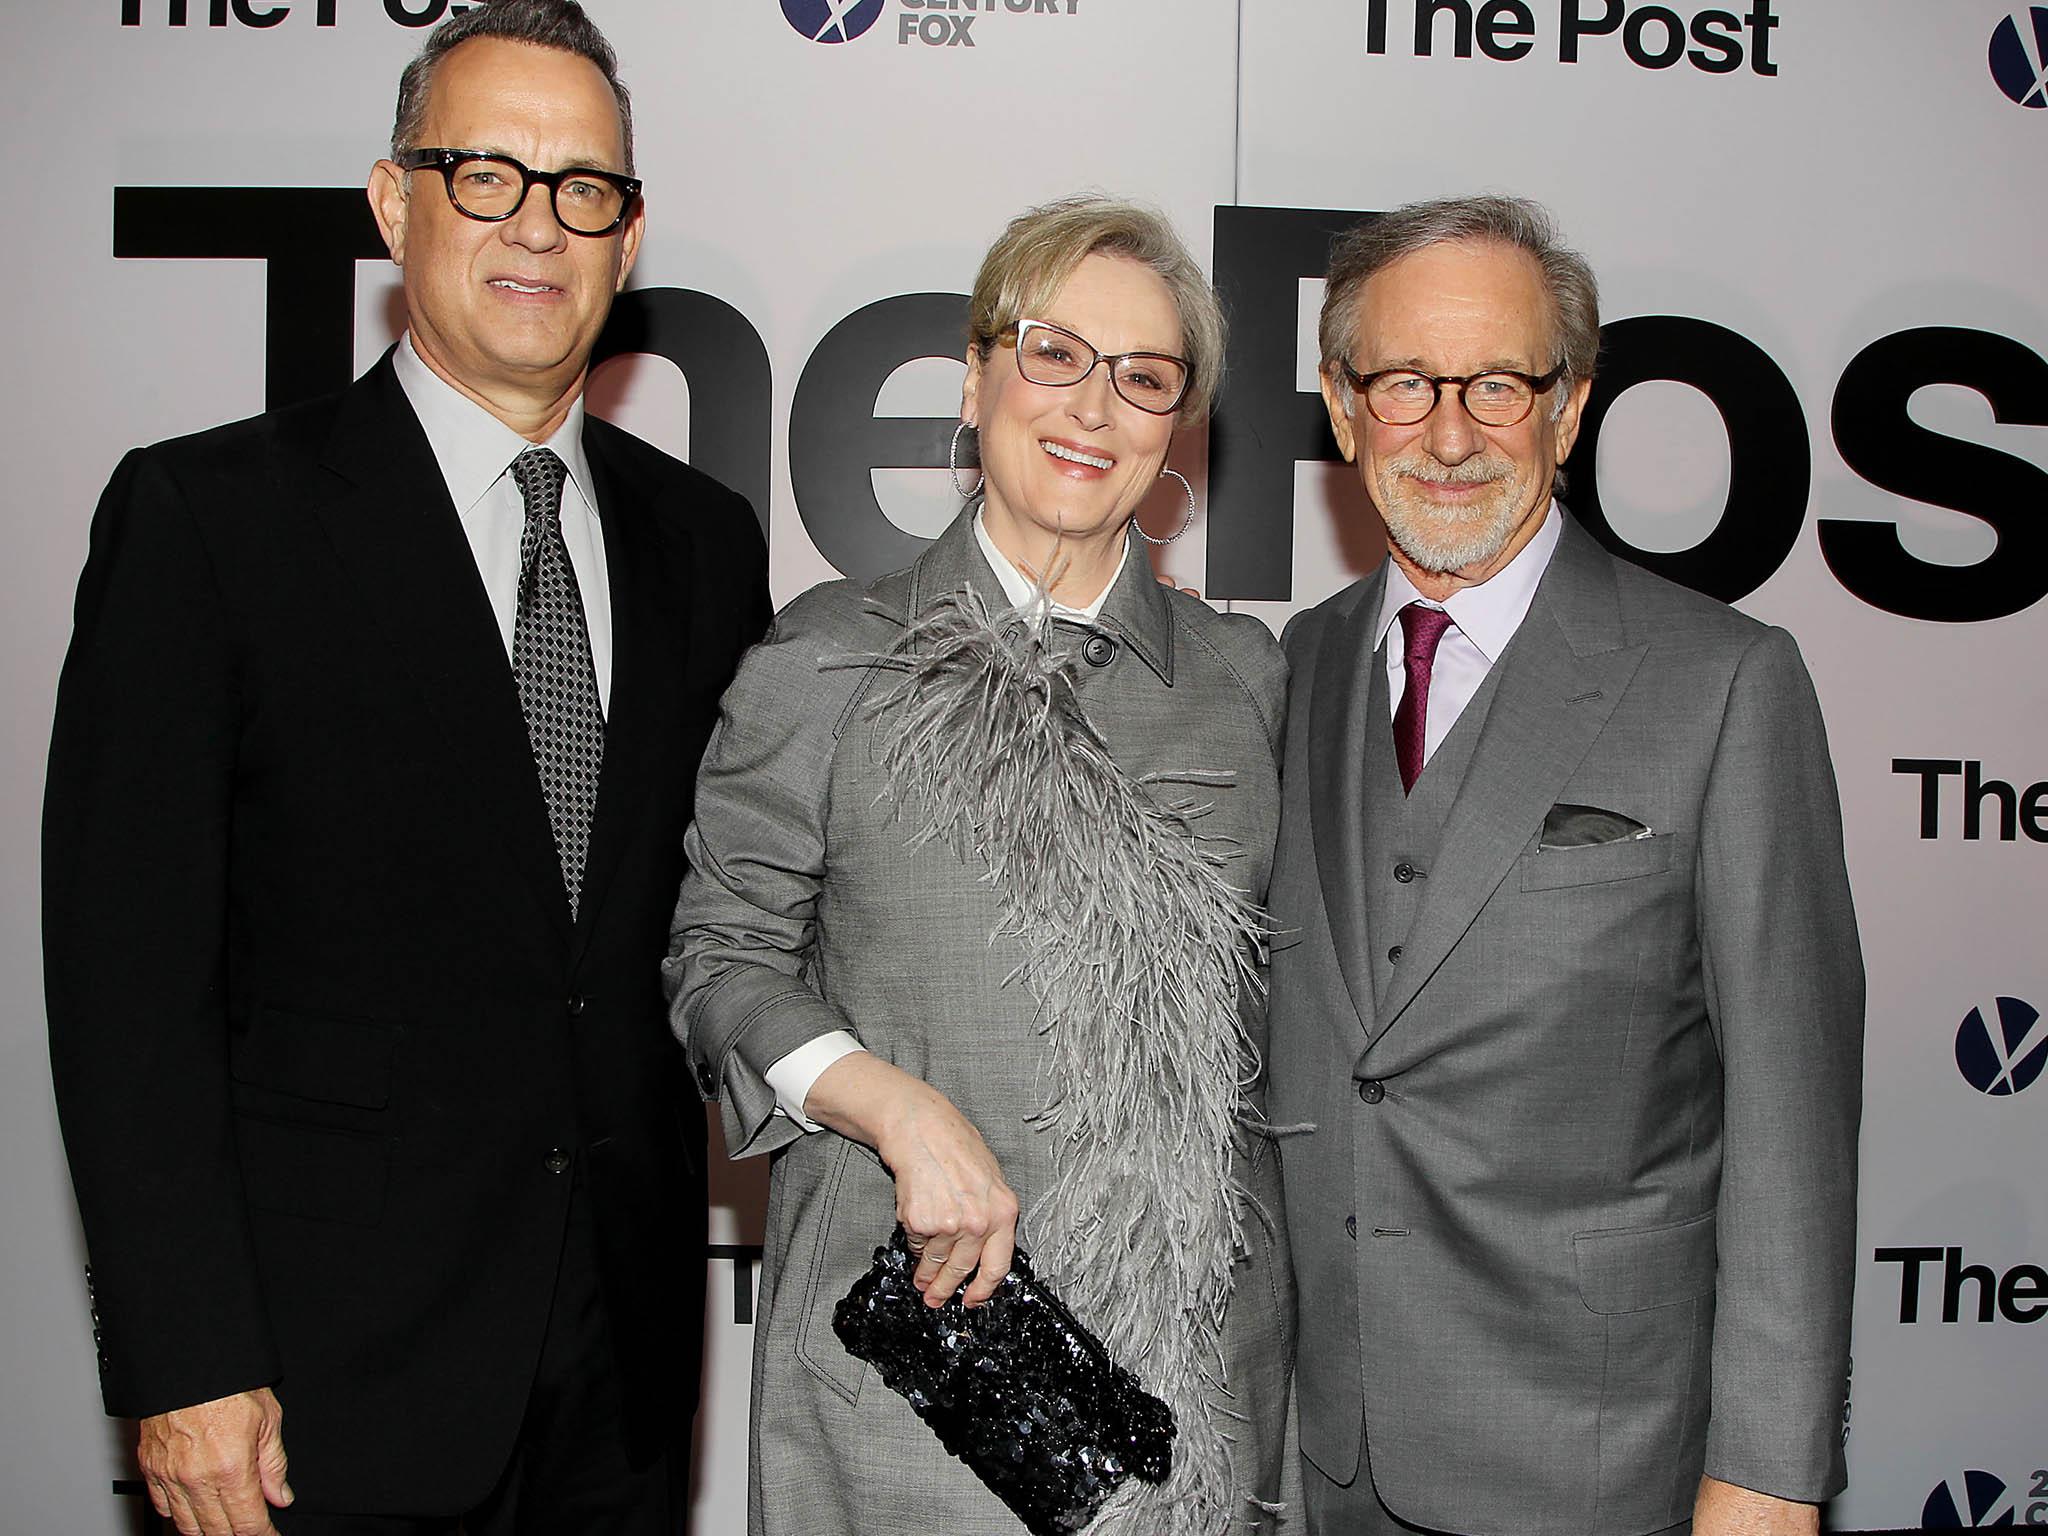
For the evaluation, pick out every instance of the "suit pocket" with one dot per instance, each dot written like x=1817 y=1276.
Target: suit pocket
x=831 y=1275
x=1636 y=1269
x=313 y=1121
x=1552 y=868
x=322 y=1058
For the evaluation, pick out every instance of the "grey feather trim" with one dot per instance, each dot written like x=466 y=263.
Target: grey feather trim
x=1137 y=950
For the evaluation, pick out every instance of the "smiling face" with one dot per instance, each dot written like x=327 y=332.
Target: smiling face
x=1073 y=462
x=508 y=311
x=1459 y=499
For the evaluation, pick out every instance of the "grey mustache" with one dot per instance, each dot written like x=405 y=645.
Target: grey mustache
x=1471 y=472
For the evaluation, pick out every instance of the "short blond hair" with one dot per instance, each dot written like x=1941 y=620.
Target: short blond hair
x=1039 y=249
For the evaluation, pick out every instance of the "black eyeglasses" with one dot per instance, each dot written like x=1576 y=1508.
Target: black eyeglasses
x=1155 y=382
x=489 y=187
x=1500 y=397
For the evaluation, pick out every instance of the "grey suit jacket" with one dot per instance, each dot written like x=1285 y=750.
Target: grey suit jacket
x=1595 y=1132
x=806 y=910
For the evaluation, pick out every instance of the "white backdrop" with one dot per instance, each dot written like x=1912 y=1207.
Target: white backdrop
x=1839 y=194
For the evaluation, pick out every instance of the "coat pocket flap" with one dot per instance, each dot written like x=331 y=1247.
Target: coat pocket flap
x=1549 y=868
x=1633 y=1269
x=323 y=1057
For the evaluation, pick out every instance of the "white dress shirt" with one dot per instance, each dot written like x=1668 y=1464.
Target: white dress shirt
x=791 y=1076
x=1484 y=619
x=474 y=450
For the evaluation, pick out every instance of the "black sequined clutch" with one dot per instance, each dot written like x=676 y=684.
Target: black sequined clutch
x=1016 y=1388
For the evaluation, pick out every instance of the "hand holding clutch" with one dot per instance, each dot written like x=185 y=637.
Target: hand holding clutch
x=1016 y=1388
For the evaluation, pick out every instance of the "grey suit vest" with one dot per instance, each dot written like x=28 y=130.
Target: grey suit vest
x=1404 y=831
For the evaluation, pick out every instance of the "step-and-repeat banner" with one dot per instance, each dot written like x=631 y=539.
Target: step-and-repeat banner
x=1820 y=236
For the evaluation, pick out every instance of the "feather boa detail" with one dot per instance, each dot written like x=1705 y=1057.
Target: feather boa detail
x=1136 y=950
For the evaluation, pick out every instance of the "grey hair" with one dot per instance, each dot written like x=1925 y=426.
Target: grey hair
x=1517 y=222
x=558 y=24
x=1038 y=250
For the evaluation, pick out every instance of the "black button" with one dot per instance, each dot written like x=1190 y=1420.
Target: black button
x=1351 y=1226
x=707 y=1081
x=1372 y=1090
x=557 y=1160
x=1394 y=954
x=1404 y=871
x=1098 y=650
x=575 y=1005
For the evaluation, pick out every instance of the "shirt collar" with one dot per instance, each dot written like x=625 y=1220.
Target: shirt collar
x=471 y=445
x=1489 y=613
x=1022 y=591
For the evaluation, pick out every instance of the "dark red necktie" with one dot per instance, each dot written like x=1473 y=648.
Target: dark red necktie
x=1421 y=628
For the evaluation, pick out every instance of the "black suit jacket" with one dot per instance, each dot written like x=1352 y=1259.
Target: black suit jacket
x=330 y=1055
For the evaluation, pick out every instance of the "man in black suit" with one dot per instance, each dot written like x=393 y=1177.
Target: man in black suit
x=373 y=755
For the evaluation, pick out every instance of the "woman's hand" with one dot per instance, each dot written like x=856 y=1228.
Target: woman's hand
x=958 y=1213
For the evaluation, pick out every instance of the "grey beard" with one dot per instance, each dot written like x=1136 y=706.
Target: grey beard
x=1445 y=541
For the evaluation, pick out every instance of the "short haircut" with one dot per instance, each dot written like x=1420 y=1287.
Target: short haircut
x=1511 y=221
x=557 y=24
x=1039 y=249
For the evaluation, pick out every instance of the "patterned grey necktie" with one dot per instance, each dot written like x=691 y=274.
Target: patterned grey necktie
x=551 y=660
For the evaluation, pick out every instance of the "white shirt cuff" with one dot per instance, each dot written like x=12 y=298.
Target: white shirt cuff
x=792 y=1075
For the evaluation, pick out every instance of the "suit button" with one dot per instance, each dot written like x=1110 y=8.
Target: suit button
x=575 y=1005
x=1404 y=871
x=1098 y=650
x=557 y=1160
x=707 y=1082
x=1351 y=1226
x=1372 y=1090
x=1394 y=955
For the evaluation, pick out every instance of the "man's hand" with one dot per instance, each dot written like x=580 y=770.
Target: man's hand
x=1723 y=1509
x=958 y=1213
x=216 y=1468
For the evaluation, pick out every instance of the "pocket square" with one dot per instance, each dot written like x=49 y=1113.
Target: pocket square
x=1587 y=826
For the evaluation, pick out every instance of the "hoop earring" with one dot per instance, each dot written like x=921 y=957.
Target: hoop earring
x=953 y=463
x=1185 y=523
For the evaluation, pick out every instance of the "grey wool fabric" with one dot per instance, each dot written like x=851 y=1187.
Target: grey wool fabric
x=1576 y=1222
x=873 y=851
x=1140 y=953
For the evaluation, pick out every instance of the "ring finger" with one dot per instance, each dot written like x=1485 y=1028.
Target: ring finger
x=952 y=1273
x=928 y=1266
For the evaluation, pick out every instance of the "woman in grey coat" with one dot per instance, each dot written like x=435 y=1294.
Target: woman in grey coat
x=971 y=928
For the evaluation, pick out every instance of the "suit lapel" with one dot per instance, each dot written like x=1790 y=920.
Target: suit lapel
x=396 y=532
x=622 y=784
x=1337 y=727
x=1561 y=677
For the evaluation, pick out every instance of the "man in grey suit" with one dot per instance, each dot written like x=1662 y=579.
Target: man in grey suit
x=1568 y=984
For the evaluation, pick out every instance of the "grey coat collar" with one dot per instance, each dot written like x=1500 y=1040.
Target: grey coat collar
x=1137 y=612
